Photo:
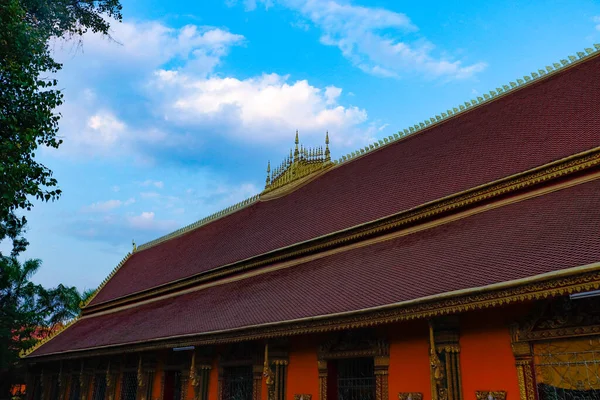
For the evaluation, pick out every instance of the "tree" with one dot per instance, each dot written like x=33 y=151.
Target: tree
x=29 y=312
x=29 y=97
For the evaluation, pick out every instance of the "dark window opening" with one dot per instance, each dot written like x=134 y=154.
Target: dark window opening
x=237 y=383
x=172 y=389
x=351 y=379
x=129 y=387
x=99 y=387
x=75 y=388
x=37 y=388
x=54 y=388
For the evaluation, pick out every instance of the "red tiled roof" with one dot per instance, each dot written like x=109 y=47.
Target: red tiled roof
x=546 y=121
x=539 y=235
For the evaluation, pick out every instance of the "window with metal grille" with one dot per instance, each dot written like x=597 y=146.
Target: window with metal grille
x=74 y=388
x=99 y=387
x=355 y=379
x=237 y=383
x=129 y=386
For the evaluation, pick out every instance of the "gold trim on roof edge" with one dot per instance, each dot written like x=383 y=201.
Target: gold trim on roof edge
x=556 y=169
x=82 y=305
x=103 y=283
x=559 y=283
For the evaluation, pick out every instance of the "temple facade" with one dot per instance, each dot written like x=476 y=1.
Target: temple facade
x=456 y=260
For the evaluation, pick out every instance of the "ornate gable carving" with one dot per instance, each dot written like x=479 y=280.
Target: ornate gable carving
x=301 y=162
x=353 y=344
x=561 y=317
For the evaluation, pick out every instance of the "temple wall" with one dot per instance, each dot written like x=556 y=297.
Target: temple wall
x=303 y=375
x=213 y=384
x=486 y=356
x=409 y=359
x=157 y=380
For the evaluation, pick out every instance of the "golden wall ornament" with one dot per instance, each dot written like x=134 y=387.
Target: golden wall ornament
x=269 y=375
x=490 y=395
x=410 y=396
x=302 y=396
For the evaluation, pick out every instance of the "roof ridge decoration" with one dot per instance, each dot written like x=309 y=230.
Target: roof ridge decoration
x=303 y=161
x=51 y=335
x=83 y=304
x=468 y=105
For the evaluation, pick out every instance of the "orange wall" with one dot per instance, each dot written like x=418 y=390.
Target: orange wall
x=213 y=381
x=157 y=380
x=303 y=375
x=409 y=359
x=486 y=357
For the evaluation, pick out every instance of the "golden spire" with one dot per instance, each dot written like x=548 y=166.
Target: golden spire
x=327 y=153
x=134 y=245
x=268 y=182
x=296 y=150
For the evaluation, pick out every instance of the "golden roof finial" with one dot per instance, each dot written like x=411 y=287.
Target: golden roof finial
x=134 y=245
x=302 y=161
x=296 y=153
x=268 y=182
x=327 y=152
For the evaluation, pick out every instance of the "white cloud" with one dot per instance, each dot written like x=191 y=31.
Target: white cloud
x=103 y=206
x=149 y=195
x=376 y=40
x=147 y=221
x=260 y=108
x=143 y=46
x=168 y=76
x=596 y=19
x=150 y=182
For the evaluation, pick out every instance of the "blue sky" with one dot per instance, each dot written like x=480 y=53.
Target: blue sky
x=177 y=116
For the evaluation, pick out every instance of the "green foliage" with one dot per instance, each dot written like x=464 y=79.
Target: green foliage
x=29 y=311
x=29 y=97
x=28 y=120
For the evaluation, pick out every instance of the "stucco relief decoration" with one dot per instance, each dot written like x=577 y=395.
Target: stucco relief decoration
x=490 y=395
x=303 y=397
x=410 y=396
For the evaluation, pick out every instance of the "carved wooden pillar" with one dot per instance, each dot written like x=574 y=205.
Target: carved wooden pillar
x=446 y=382
x=62 y=383
x=111 y=380
x=524 y=363
x=199 y=377
x=382 y=364
x=322 y=366
x=84 y=383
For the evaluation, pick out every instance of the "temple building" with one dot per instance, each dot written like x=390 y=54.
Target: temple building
x=458 y=259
